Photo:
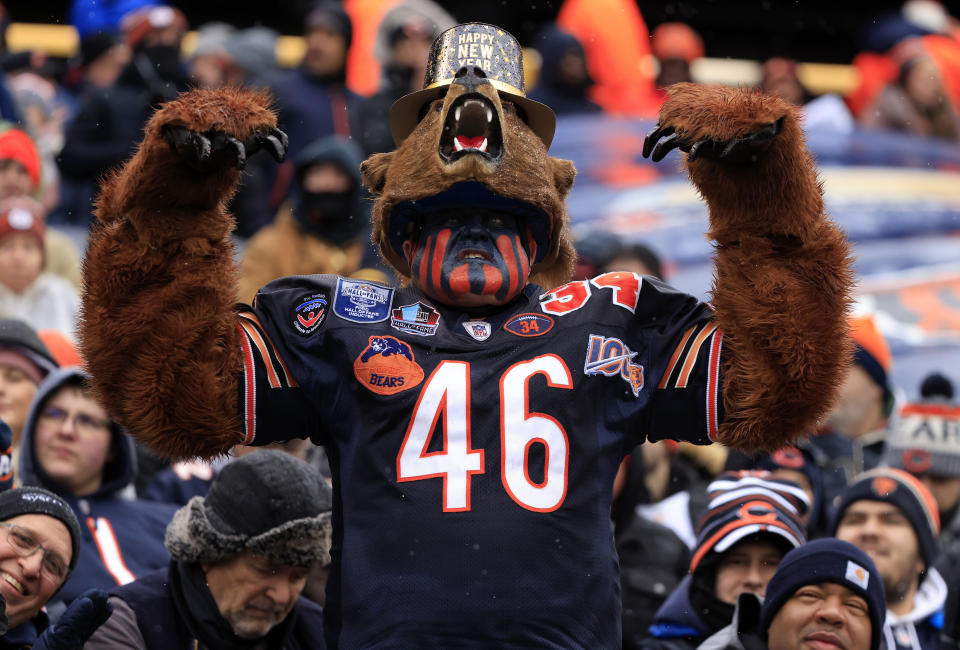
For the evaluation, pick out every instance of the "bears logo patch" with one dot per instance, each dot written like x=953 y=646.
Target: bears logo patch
x=387 y=366
x=883 y=486
x=309 y=313
x=610 y=357
x=418 y=318
x=529 y=325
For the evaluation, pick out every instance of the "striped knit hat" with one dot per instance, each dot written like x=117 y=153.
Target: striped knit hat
x=910 y=496
x=746 y=503
x=923 y=441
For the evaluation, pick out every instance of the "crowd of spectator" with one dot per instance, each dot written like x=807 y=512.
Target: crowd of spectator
x=712 y=544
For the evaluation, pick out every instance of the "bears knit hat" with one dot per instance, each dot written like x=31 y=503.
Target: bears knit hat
x=827 y=560
x=268 y=503
x=910 y=496
x=748 y=503
x=923 y=440
x=798 y=460
x=17 y=145
x=37 y=501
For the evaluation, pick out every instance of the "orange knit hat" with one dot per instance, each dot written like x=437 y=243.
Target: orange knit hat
x=17 y=145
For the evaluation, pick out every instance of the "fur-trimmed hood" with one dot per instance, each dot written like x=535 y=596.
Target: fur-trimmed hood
x=191 y=537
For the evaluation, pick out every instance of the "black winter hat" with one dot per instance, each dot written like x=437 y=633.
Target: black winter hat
x=266 y=502
x=16 y=335
x=827 y=560
x=330 y=15
x=37 y=501
x=903 y=490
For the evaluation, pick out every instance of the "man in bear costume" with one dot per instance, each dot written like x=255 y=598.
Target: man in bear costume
x=476 y=415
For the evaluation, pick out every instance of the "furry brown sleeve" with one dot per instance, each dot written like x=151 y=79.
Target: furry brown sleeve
x=783 y=271
x=157 y=328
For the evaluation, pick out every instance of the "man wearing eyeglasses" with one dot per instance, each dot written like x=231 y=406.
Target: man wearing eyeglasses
x=71 y=446
x=39 y=548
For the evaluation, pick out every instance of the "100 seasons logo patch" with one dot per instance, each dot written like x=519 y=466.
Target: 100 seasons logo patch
x=386 y=366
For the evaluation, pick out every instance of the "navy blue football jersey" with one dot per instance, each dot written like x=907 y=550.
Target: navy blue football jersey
x=473 y=459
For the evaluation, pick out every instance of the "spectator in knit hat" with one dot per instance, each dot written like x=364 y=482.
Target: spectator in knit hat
x=39 y=549
x=824 y=594
x=752 y=521
x=853 y=435
x=24 y=362
x=892 y=517
x=676 y=47
x=924 y=442
x=21 y=170
x=312 y=99
x=43 y=300
x=240 y=559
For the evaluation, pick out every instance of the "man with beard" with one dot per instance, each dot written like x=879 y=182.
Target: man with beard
x=891 y=516
x=240 y=558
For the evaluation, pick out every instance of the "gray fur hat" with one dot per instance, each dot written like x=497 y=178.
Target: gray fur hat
x=268 y=503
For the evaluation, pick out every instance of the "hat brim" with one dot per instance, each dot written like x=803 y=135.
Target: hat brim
x=405 y=113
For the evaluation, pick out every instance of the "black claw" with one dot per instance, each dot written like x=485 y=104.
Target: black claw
x=695 y=149
x=651 y=139
x=238 y=151
x=665 y=146
x=275 y=146
x=281 y=138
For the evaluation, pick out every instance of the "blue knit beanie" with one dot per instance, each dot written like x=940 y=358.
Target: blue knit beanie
x=827 y=560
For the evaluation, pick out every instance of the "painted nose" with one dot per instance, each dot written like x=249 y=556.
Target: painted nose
x=471 y=76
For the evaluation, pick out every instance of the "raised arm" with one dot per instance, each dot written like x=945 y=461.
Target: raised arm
x=158 y=329
x=783 y=271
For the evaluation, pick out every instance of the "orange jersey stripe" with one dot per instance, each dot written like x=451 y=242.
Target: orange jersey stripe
x=291 y=382
x=693 y=353
x=676 y=357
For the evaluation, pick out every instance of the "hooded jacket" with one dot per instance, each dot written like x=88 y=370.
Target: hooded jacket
x=122 y=538
x=920 y=628
x=676 y=625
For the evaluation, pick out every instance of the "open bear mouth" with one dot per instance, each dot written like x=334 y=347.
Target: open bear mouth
x=472 y=127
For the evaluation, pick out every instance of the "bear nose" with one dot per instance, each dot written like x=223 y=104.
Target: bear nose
x=471 y=76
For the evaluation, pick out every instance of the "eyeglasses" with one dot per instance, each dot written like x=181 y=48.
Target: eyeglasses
x=84 y=423
x=21 y=541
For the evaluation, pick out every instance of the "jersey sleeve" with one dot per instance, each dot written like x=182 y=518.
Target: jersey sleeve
x=286 y=379
x=685 y=356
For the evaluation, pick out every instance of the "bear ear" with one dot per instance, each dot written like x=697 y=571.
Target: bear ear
x=373 y=170
x=563 y=174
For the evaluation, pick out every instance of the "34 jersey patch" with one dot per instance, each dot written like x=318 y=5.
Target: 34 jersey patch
x=610 y=357
x=387 y=366
x=309 y=313
x=362 y=302
x=529 y=325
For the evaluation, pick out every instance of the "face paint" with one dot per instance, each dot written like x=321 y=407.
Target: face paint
x=469 y=260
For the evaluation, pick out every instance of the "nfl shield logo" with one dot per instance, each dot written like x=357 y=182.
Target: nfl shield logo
x=478 y=329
